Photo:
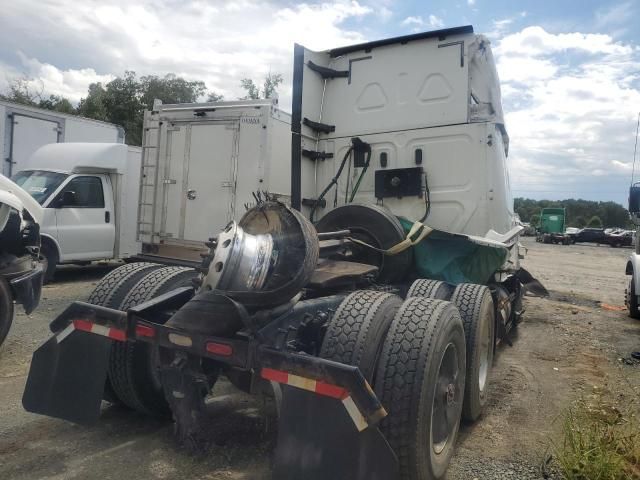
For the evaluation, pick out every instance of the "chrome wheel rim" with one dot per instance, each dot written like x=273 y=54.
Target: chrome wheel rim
x=485 y=346
x=446 y=400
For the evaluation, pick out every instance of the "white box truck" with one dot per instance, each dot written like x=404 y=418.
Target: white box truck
x=89 y=192
x=24 y=129
x=202 y=164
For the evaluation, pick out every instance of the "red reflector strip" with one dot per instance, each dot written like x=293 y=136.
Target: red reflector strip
x=275 y=375
x=116 y=334
x=331 y=390
x=220 y=349
x=145 y=331
x=321 y=388
x=112 y=333
x=83 y=325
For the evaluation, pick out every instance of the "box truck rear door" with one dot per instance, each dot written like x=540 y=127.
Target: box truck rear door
x=209 y=193
x=29 y=134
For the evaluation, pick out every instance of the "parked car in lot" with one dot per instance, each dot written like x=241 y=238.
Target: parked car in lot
x=591 y=235
x=620 y=238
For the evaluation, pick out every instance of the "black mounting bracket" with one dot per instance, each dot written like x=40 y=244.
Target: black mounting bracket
x=326 y=72
x=312 y=202
x=313 y=155
x=319 y=127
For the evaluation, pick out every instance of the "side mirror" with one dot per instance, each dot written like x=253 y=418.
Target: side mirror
x=634 y=199
x=67 y=199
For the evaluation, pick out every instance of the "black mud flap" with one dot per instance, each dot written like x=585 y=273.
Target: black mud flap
x=531 y=284
x=318 y=440
x=27 y=289
x=67 y=377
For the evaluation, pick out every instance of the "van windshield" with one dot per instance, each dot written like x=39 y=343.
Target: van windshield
x=39 y=184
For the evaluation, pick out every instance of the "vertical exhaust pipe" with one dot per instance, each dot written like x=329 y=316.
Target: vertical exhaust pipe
x=296 y=127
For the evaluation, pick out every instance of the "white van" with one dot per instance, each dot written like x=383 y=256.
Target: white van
x=90 y=200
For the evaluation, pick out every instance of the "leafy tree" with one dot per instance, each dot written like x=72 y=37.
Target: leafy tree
x=93 y=106
x=611 y=214
x=215 y=97
x=57 y=103
x=269 y=87
x=124 y=99
x=19 y=91
x=595 y=222
x=580 y=222
x=534 y=221
x=170 y=89
x=253 y=92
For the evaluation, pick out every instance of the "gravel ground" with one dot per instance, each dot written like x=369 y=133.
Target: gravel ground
x=566 y=345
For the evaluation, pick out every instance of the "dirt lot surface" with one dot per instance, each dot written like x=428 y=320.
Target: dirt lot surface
x=566 y=345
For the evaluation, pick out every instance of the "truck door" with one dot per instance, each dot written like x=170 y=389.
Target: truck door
x=85 y=218
x=28 y=135
x=209 y=181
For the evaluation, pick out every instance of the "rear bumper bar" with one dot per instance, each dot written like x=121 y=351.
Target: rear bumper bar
x=299 y=370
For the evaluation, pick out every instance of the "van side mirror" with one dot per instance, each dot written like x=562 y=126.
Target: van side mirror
x=634 y=199
x=66 y=199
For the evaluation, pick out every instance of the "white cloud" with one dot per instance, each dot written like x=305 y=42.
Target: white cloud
x=68 y=43
x=413 y=21
x=435 y=22
x=571 y=108
x=471 y=3
x=419 y=23
x=48 y=79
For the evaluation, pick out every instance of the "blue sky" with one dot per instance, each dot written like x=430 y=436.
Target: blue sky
x=570 y=70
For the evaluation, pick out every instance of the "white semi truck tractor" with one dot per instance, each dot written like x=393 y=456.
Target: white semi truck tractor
x=632 y=269
x=370 y=307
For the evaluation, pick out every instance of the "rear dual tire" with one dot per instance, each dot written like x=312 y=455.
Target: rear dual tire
x=427 y=288
x=413 y=353
x=420 y=380
x=475 y=304
x=132 y=376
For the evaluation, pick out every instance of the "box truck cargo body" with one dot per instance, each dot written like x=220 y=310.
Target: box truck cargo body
x=202 y=165
x=24 y=129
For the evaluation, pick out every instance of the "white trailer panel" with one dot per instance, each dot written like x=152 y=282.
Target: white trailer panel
x=201 y=165
x=24 y=129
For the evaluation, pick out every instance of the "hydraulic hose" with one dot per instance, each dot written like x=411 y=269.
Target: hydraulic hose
x=333 y=182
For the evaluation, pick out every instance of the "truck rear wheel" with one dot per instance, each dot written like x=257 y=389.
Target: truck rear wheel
x=632 y=300
x=133 y=367
x=49 y=259
x=420 y=381
x=476 y=309
x=110 y=292
x=427 y=288
x=6 y=309
x=356 y=331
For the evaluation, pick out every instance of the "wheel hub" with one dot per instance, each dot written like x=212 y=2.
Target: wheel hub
x=450 y=394
x=241 y=261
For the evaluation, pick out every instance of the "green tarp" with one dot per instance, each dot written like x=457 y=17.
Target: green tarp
x=455 y=258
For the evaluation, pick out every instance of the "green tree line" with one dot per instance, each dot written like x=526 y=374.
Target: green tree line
x=124 y=99
x=579 y=213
